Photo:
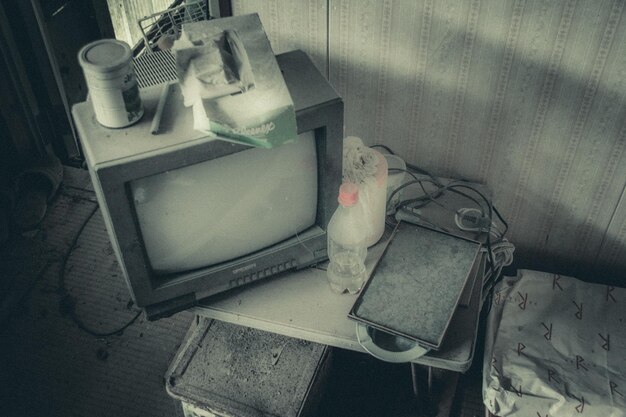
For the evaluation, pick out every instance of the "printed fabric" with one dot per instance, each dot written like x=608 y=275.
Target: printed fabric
x=555 y=347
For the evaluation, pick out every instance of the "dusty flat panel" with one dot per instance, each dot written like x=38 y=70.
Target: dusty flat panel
x=237 y=370
x=416 y=285
x=292 y=25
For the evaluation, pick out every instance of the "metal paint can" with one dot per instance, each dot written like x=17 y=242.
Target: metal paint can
x=114 y=93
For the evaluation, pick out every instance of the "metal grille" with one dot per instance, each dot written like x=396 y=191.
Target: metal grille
x=169 y=22
x=155 y=68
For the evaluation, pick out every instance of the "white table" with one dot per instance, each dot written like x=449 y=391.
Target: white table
x=301 y=305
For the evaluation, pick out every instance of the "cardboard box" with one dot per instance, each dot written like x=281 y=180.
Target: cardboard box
x=229 y=75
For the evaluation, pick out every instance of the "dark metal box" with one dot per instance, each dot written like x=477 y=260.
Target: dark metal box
x=225 y=370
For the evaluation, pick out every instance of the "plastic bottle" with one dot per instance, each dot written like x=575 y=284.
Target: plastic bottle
x=374 y=199
x=347 y=247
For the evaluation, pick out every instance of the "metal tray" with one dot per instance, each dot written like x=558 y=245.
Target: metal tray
x=231 y=370
x=416 y=285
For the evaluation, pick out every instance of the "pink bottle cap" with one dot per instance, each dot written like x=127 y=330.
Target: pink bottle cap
x=348 y=194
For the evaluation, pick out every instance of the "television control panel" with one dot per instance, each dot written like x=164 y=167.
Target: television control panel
x=263 y=273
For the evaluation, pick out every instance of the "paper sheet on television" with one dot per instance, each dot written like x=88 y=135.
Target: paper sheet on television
x=229 y=76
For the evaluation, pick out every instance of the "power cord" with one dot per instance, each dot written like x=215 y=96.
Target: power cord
x=67 y=303
x=472 y=220
x=479 y=219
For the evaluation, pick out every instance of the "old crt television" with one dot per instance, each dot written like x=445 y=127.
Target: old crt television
x=189 y=216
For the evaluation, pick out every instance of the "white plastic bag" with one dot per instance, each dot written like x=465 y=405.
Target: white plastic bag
x=555 y=346
x=367 y=168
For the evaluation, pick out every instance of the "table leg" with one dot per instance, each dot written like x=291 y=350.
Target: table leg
x=434 y=390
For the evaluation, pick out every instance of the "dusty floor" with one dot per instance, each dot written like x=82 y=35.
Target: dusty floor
x=49 y=366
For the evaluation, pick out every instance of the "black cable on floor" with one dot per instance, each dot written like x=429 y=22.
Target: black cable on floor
x=67 y=304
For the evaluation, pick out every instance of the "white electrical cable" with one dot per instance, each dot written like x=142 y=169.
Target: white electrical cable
x=461 y=219
x=502 y=253
x=472 y=219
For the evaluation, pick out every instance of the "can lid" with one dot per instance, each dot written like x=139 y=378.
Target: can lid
x=348 y=194
x=104 y=55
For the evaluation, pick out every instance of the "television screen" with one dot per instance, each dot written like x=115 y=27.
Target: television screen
x=218 y=210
